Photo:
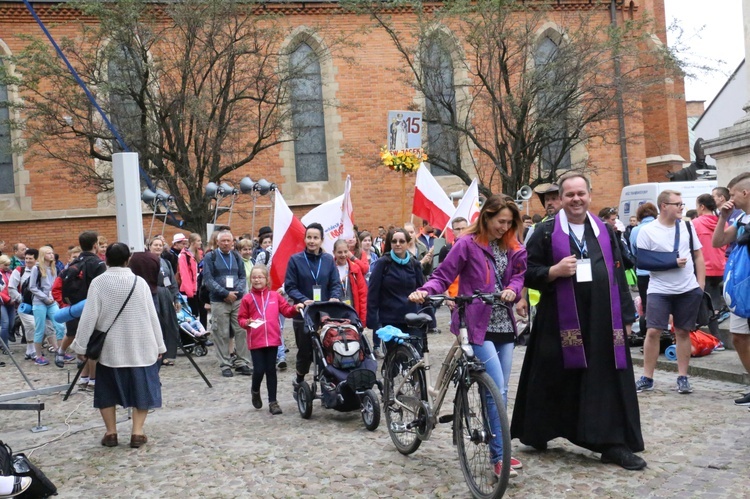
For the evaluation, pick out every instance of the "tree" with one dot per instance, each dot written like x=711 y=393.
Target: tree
x=198 y=88
x=529 y=97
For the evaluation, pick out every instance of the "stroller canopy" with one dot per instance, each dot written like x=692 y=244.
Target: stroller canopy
x=315 y=314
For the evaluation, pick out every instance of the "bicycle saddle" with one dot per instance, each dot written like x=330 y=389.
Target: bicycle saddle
x=418 y=320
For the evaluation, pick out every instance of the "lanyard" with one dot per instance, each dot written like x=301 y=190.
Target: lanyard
x=580 y=245
x=345 y=284
x=314 y=274
x=228 y=265
x=265 y=303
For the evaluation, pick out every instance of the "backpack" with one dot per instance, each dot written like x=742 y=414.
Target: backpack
x=342 y=344
x=702 y=344
x=737 y=276
x=27 y=296
x=75 y=280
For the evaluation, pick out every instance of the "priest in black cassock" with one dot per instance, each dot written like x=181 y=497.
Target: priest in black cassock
x=577 y=377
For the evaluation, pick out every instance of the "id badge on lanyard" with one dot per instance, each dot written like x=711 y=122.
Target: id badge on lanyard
x=583 y=270
x=317 y=293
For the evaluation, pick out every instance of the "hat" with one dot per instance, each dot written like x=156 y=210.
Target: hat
x=265 y=230
x=178 y=237
x=543 y=189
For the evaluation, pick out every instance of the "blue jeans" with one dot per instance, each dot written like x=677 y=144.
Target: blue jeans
x=7 y=316
x=42 y=313
x=497 y=361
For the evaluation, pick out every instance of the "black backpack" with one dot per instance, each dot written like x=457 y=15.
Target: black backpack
x=76 y=279
x=27 y=296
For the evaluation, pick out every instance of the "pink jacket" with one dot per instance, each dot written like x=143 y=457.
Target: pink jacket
x=715 y=258
x=188 y=267
x=251 y=308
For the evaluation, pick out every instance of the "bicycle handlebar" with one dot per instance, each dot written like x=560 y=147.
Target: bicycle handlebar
x=463 y=300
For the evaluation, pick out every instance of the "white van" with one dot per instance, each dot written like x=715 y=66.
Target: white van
x=635 y=195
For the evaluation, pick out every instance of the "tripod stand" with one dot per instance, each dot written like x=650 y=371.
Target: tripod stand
x=179 y=345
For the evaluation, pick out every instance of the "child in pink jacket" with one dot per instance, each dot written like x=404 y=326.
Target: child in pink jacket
x=259 y=314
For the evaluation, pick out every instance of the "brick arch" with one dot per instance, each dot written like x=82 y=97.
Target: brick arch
x=579 y=154
x=308 y=193
x=17 y=200
x=461 y=84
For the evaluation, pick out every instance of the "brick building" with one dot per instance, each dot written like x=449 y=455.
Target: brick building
x=40 y=204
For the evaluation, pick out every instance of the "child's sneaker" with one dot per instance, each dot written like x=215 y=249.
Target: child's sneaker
x=91 y=385
x=281 y=365
x=273 y=408
x=41 y=361
x=515 y=464
x=644 y=384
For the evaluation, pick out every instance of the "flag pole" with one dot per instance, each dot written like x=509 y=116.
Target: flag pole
x=403 y=198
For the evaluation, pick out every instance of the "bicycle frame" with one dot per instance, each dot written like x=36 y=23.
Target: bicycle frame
x=460 y=352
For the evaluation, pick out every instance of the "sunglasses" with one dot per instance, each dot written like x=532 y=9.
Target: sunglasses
x=398 y=241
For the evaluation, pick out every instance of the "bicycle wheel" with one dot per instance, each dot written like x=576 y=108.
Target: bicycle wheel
x=474 y=430
x=398 y=362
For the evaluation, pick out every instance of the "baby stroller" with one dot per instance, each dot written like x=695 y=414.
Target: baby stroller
x=191 y=342
x=344 y=364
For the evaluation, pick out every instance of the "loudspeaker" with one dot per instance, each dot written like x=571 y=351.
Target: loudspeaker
x=264 y=186
x=211 y=189
x=524 y=193
x=148 y=196
x=246 y=185
x=226 y=189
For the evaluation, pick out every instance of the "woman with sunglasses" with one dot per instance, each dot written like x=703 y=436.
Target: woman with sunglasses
x=487 y=257
x=393 y=277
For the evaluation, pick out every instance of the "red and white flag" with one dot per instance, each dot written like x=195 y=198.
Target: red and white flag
x=431 y=203
x=288 y=239
x=468 y=208
x=335 y=216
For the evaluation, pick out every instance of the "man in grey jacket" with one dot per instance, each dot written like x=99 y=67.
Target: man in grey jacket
x=224 y=276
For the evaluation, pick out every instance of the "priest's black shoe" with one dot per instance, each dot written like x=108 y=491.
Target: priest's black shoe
x=622 y=456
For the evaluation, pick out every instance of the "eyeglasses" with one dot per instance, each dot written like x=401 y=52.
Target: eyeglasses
x=398 y=241
x=681 y=205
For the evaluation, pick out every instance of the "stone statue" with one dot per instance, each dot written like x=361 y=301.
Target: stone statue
x=692 y=172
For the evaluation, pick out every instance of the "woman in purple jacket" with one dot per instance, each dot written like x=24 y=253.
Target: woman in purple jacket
x=488 y=257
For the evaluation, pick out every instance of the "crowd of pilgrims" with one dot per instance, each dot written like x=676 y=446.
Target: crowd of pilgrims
x=383 y=274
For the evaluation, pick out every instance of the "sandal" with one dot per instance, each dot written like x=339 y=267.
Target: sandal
x=167 y=362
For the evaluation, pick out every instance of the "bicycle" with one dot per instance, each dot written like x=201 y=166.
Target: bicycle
x=412 y=403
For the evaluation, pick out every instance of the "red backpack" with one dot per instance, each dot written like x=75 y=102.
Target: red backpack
x=342 y=344
x=702 y=343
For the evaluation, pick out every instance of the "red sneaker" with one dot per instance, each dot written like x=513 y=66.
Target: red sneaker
x=515 y=464
x=499 y=468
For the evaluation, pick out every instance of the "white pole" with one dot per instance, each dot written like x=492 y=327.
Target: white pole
x=128 y=200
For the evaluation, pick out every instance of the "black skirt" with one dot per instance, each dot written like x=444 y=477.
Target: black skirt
x=137 y=387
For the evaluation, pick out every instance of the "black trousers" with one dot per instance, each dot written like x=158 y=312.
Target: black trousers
x=642 y=288
x=199 y=310
x=304 y=347
x=264 y=364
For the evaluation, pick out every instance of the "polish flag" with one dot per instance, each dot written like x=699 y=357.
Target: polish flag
x=335 y=216
x=431 y=203
x=288 y=239
x=468 y=208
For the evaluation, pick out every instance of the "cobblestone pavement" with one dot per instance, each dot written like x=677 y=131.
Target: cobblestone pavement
x=210 y=442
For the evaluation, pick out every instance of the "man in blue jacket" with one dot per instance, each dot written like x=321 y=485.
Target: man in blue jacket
x=224 y=276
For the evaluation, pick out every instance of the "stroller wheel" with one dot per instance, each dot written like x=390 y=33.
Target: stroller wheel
x=305 y=400
x=371 y=410
x=200 y=350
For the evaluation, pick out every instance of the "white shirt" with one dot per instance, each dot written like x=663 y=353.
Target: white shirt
x=658 y=237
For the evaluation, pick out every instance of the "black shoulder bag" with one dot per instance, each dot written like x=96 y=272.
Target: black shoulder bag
x=96 y=342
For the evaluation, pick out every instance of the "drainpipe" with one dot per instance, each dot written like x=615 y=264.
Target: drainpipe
x=618 y=99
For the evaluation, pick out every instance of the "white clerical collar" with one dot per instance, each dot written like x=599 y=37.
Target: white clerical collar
x=563 y=218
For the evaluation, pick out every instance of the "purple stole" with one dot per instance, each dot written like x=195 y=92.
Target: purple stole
x=574 y=356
